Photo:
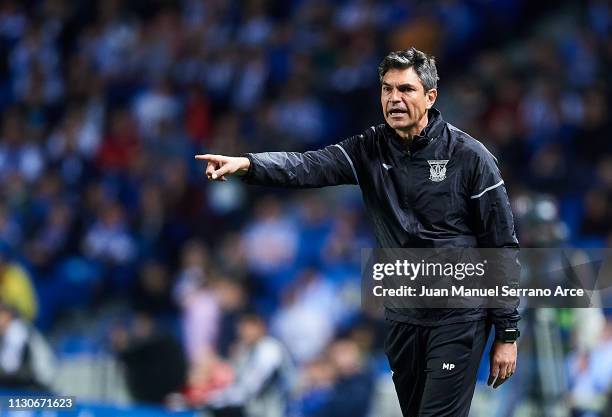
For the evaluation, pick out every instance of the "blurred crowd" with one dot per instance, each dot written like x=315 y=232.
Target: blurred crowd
x=224 y=288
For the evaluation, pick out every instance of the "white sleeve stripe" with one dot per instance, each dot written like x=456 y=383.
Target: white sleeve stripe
x=487 y=189
x=350 y=162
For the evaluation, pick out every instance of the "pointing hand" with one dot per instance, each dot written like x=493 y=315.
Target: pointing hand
x=219 y=166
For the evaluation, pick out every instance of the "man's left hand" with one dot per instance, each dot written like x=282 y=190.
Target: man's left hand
x=502 y=363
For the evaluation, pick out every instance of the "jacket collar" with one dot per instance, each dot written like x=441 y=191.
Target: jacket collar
x=432 y=131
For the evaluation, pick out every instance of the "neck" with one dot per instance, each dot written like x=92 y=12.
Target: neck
x=414 y=130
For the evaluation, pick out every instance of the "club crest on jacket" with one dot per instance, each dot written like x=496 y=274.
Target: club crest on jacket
x=437 y=169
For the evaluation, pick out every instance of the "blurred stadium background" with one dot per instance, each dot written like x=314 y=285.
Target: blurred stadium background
x=125 y=277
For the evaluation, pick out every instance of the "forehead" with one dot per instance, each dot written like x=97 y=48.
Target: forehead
x=398 y=76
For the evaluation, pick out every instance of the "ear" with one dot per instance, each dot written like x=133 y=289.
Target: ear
x=430 y=97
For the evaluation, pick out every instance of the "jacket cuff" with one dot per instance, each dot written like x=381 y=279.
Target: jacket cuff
x=250 y=172
x=504 y=319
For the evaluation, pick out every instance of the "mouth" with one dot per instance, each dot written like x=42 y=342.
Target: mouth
x=397 y=112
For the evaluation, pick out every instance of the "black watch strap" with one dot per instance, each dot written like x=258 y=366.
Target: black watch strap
x=507 y=335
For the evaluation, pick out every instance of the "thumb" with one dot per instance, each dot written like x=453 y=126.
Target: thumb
x=493 y=369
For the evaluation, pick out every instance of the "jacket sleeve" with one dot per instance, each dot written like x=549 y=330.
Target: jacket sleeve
x=332 y=165
x=493 y=224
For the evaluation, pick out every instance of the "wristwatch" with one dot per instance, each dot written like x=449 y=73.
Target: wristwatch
x=507 y=335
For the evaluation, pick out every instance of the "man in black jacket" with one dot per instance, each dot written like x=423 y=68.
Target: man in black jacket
x=425 y=184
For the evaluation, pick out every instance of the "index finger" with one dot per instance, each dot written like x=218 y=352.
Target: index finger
x=210 y=158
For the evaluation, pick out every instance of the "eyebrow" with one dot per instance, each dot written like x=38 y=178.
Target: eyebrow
x=399 y=86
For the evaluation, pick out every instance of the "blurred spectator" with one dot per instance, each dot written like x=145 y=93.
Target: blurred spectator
x=316 y=387
x=198 y=302
x=151 y=226
x=182 y=198
x=590 y=141
x=13 y=21
x=17 y=155
x=597 y=220
x=251 y=82
x=226 y=136
x=590 y=375
x=540 y=114
x=198 y=121
x=26 y=360
x=167 y=142
x=154 y=362
x=604 y=171
x=231 y=256
x=270 y=243
x=351 y=394
x=549 y=170
x=16 y=289
x=109 y=243
x=109 y=42
x=109 y=240
x=210 y=375
x=315 y=227
x=121 y=144
x=10 y=230
x=232 y=301
x=299 y=114
x=54 y=238
x=313 y=303
x=263 y=373
x=74 y=143
x=151 y=293
x=35 y=64
x=155 y=107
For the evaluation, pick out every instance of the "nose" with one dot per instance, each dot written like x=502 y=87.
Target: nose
x=395 y=96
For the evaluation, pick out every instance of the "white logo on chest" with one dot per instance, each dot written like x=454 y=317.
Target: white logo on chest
x=437 y=169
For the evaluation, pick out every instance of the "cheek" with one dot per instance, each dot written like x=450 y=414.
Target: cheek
x=418 y=106
x=413 y=107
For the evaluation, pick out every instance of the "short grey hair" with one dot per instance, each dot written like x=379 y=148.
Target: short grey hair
x=424 y=65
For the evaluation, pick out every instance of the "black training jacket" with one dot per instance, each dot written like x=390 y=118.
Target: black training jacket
x=444 y=190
